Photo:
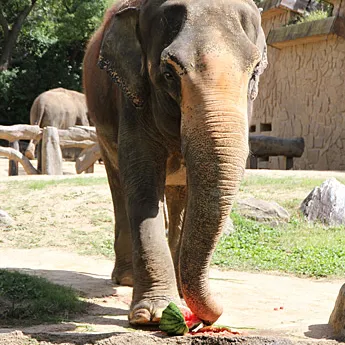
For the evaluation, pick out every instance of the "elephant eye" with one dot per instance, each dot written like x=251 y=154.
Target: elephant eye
x=168 y=76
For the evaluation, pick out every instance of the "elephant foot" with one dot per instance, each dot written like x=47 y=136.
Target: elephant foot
x=149 y=311
x=122 y=277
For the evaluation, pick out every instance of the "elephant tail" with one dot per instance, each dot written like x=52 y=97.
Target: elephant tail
x=36 y=115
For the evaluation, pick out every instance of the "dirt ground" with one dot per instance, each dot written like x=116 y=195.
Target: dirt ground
x=275 y=306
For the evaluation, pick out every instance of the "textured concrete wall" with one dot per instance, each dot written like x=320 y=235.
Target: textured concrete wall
x=302 y=94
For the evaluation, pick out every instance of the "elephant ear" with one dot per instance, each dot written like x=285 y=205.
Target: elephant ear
x=259 y=69
x=121 y=55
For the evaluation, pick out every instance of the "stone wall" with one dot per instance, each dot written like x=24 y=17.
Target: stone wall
x=302 y=94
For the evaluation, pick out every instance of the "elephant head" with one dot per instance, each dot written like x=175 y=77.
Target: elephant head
x=195 y=64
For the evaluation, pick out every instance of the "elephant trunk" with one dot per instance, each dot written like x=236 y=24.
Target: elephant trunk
x=215 y=147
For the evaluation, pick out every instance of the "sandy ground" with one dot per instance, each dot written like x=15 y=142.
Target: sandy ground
x=249 y=299
x=273 y=305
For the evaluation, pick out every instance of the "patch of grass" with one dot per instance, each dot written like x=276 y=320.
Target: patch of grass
x=297 y=247
x=315 y=15
x=104 y=247
x=101 y=217
x=94 y=243
x=43 y=184
x=286 y=182
x=323 y=13
x=30 y=299
x=289 y=192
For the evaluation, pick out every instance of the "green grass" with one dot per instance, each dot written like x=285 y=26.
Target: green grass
x=27 y=299
x=315 y=15
x=312 y=16
x=44 y=184
x=76 y=214
x=297 y=247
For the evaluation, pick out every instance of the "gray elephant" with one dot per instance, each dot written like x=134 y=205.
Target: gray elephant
x=169 y=85
x=60 y=108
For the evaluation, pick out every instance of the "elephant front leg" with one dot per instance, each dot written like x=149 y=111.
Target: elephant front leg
x=142 y=170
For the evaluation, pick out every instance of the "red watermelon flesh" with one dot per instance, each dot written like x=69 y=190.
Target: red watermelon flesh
x=190 y=318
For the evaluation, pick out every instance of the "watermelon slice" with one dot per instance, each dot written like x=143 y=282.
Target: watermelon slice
x=178 y=320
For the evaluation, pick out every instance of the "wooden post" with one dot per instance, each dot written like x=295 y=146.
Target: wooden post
x=51 y=152
x=253 y=162
x=13 y=165
x=289 y=163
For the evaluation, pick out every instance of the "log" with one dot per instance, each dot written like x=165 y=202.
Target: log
x=78 y=136
x=20 y=132
x=87 y=158
x=13 y=154
x=265 y=146
x=66 y=144
x=13 y=164
x=78 y=133
x=51 y=152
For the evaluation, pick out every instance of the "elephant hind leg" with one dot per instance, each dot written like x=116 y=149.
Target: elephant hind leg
x=123 y=269
x=176 y=201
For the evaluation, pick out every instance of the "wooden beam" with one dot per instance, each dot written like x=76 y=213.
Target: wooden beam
x=20 y=132
x=65 y=144
x=87 y=158
x=266 y=146
x=13 y=154
x=314 y=31
x=78 y=133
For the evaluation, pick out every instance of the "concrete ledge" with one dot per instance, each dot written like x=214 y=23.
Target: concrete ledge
x=315 y=31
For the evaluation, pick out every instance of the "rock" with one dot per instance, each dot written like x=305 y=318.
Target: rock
x=261 y=210
x=326 y=203
x=5 y=219
x=337 y=318
x=228 y=227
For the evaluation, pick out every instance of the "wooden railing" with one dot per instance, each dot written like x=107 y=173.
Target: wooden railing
x=262 y=146
x=53 y=140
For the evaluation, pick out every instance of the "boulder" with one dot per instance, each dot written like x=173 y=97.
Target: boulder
x=5 y=219
x=261 y=210
x=326 y=203
x=337 y=318
x=228 y=227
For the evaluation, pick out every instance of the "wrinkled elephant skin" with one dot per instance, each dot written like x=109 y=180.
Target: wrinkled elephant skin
x=170 y=85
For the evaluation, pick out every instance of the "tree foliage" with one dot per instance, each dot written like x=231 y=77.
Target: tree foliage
x=48 y=49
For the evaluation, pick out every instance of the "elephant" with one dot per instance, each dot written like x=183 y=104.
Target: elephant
x=169 y=85
x=60 y=108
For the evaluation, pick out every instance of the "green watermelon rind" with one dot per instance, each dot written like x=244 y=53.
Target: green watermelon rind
x=172 y=321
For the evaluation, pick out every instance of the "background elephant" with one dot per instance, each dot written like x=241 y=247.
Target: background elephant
x=174 y=95
x=60 y=108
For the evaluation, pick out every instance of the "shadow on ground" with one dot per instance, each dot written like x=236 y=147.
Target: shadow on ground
x=107 y=306
x=323 y=331
x=90 y=285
